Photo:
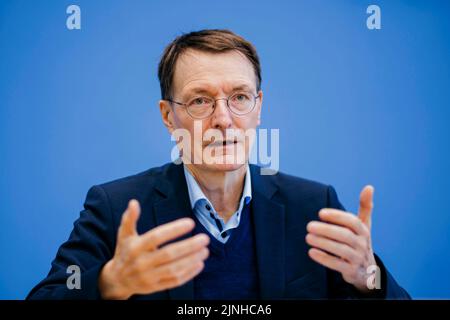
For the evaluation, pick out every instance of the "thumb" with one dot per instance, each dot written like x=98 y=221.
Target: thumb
x=366 y=205
x=129 y=219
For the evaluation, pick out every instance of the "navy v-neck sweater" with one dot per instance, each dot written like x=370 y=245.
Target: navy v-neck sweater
x=231 y=269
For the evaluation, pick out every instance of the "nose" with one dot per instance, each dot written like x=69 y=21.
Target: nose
x=221 y=117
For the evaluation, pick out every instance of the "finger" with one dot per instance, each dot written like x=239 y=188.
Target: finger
x=343 y=218
x=366 y=205
x=177 y=250
x=190 y=273
x=334 y=232
x=129 y=219
x=336 y=248
x=157 y=236
x=328 y=261
x=177 y=268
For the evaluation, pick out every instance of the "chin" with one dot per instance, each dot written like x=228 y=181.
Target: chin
x=224 y=166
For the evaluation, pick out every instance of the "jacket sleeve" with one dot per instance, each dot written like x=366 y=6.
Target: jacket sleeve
x=339 y=289
x=89 y=247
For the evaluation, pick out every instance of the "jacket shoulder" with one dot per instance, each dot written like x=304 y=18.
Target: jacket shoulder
x=287 y=183
x=137 y=186
x=149 y=176
x=301 y=190
x=290 y=181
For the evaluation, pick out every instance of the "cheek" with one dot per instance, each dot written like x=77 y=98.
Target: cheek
x=250 y=122
x=253 y=119
x=181 y=120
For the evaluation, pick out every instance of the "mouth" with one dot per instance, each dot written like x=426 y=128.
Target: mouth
x=223 y=143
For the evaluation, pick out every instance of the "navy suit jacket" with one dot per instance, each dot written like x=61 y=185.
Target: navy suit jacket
x=282 y=207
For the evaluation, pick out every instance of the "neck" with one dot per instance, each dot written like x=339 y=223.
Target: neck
x=222 y=188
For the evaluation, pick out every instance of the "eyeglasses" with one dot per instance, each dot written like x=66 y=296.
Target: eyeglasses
x=239 y=103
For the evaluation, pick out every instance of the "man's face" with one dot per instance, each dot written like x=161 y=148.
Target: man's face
x=203 y=74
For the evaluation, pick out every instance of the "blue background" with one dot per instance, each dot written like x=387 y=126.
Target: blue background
x=354 y=106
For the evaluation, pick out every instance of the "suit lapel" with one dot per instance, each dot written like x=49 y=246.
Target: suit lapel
x=269 y=228
x=175 y=205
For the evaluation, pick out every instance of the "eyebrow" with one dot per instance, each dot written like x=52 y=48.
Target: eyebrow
x=242 y=87
x=201 y=90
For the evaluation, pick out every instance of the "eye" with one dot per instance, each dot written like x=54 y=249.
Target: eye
x=241 y=97
x=199 y=101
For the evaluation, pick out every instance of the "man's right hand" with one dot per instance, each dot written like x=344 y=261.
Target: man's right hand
x=141 y=266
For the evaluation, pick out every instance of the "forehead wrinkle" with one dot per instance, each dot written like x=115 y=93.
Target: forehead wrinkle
x=191 y=75
x=227 y=85
x=196 y=70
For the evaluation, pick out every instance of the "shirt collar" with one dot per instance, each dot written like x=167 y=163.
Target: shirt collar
x=196 y=194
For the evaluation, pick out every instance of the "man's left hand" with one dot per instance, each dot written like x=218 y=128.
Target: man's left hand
x=342 y=241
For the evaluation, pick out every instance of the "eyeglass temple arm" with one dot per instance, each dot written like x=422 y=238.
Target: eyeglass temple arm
x=176 y=102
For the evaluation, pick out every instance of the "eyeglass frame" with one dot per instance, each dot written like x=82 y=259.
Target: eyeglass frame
x=255 y=97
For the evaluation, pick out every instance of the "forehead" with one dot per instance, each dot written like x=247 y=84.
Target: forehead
x=198 y=70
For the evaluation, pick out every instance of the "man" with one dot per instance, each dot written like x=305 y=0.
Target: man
x=212 y=228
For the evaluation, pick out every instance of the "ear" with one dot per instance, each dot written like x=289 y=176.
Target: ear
x=166 y=115
x=260 y=94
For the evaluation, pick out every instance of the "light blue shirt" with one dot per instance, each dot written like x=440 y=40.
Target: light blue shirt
x=208 y=216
